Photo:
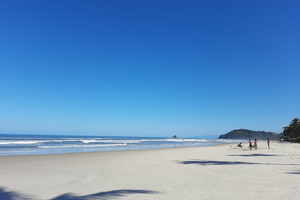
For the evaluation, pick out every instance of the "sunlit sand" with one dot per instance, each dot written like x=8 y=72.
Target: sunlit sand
x=212 y=172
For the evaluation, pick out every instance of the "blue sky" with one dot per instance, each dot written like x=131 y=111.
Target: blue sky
x=148 y=68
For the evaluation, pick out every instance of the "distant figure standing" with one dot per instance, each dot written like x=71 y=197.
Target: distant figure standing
x=268 y=141
x=255 y=144
x=250 y=144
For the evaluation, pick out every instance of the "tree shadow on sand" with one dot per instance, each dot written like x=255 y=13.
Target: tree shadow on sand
x=211 y=162
x=103 y=195
x=255 y=154
x=294 y=172
x=10 y=195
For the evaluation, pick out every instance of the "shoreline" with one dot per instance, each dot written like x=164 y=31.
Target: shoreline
x=108 y=151
x=28 y=145
x=207 y=172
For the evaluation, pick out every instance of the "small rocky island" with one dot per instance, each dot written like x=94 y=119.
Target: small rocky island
x=248 y=134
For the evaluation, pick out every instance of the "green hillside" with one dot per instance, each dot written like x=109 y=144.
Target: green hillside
x=248 y=134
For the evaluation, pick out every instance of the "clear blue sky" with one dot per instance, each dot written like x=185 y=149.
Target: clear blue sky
x=148 y=68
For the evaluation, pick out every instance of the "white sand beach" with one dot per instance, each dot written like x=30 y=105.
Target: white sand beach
x=212 y=172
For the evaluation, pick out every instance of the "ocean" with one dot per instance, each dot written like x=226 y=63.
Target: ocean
x=12 y=144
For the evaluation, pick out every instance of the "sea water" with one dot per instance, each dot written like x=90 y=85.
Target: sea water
x=11 y=144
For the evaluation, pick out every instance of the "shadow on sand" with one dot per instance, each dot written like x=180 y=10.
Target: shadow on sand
x=255 y=154
x=211 y=162
x=293 y=173
x=204 y=162
x=103 y=195
x=10 y=195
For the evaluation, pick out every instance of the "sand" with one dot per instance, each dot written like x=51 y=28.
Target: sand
x=213 y=172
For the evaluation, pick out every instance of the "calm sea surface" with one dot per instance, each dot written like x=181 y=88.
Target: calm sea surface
x=11 y=144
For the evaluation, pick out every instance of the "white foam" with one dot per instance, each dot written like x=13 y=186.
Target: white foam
x=80 y=146
x=195 y=140
x=174 y=140
x=230 y=141
x=21 y=142
x=162 y=140
x=88 y=141
x=29 y=142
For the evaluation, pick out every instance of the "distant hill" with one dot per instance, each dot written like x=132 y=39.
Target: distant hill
x=248 y=134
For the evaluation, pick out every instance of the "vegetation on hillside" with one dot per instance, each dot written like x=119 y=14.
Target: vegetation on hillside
x=292 y=132
x=248 y=134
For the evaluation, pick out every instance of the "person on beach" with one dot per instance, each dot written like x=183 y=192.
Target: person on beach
x=255 y=144
x=268 y=141
x=250 y=144
x=240 y=145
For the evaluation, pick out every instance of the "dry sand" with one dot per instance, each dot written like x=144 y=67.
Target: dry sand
x=213 y=172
